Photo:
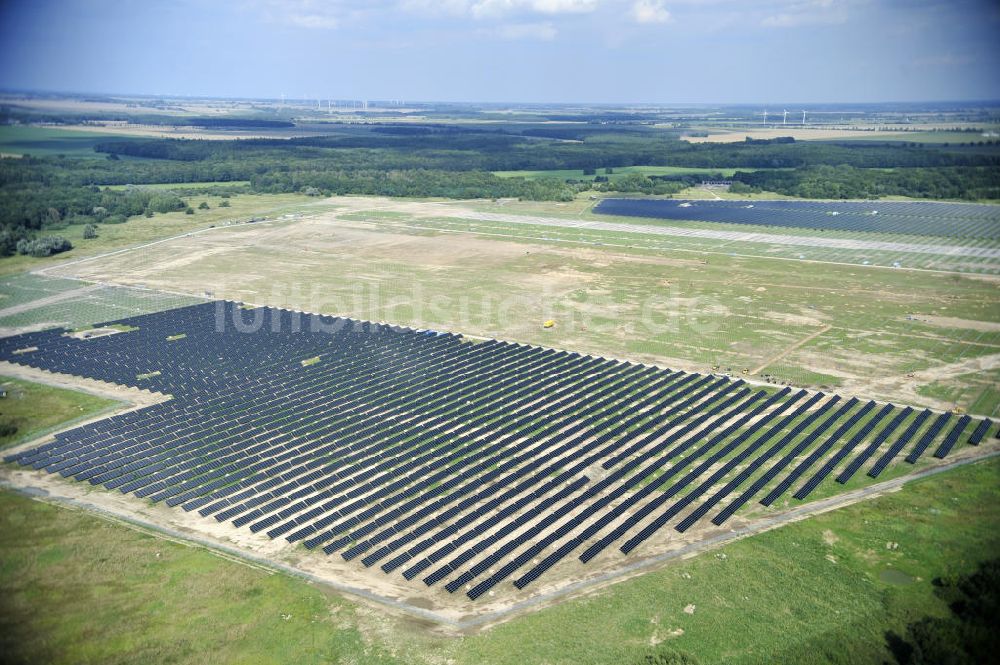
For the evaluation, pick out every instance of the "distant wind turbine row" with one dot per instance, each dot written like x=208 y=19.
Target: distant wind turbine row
x=784 y=117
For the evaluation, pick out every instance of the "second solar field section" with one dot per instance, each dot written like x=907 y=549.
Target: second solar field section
x=946 y=220
x=456 y=464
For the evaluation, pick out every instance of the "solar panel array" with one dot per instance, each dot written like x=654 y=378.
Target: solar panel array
x=435 y=458
x=926 y=218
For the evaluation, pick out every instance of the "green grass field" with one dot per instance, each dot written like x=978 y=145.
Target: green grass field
x=47 y=141
x=139 y=230
x=35 y=408
x=79 y=589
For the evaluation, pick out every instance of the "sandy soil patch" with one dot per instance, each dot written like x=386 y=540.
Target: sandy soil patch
x=793 y=319
x=962 y=324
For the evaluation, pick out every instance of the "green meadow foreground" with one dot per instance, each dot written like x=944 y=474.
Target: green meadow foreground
x=33 y=409
x=78 y=589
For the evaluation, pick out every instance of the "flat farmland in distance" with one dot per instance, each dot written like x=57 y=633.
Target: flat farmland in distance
x=923 y=338
x=46 y=141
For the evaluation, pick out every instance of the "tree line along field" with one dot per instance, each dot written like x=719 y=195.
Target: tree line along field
x=872 y=331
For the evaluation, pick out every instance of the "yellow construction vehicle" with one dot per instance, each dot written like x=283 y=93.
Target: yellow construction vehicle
x=549 y=324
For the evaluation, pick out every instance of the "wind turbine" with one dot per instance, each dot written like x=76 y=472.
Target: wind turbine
x=765 y=117
x=803 y=118
x=784 y=117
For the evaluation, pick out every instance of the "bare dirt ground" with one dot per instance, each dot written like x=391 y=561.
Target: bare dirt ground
x=963 y=324
x=903 y=387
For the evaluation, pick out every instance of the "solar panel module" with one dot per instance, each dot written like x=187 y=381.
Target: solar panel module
x=427 y=456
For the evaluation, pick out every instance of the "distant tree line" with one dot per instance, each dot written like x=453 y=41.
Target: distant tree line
x=39 y=195
x=848 y=182
x=490 y=151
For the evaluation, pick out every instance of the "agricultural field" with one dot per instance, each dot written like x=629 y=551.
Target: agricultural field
x=48 y=141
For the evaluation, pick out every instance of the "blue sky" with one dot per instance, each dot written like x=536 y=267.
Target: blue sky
x=613 y=51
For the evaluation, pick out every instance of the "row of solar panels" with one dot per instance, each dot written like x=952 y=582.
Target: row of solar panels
x=930 y=219
x=411 y=447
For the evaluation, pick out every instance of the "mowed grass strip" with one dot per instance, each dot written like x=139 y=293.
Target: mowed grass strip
x=78 y=589
x=34 y=408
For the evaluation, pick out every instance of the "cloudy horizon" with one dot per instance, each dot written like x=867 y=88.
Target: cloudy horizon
x=524 y=51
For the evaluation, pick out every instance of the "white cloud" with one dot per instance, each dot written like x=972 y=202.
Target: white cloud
x=495 y=8
x=806 y=12
x=543 y=32
x=309 y=14
x=313 y=21
x=650 y=11
x=564 y=6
